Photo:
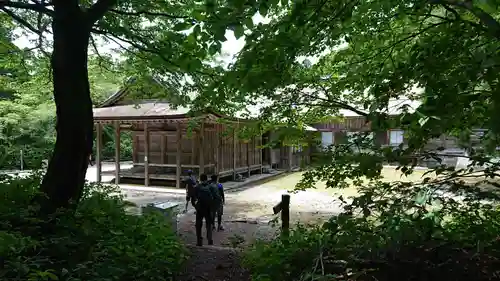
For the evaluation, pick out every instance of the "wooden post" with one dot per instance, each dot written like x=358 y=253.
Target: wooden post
x=201 y=150
x=98 y=151
x=248 y=159
x=146 y=155
x=178 y=156
x=284 y=208
x=223 y=148
x=218 y=152
x=260 y=153
x=163 y=147
x=117 y=153
x=134 y=148
x=234 y=154
x=290 y=155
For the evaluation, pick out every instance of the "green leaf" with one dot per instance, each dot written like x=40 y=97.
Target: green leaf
x=239 y=31
x=249 y=23
x=213 y=49
x=182 y=26
x=194 y=64
x=197 y=29
x=263 y=9
x=198 y=15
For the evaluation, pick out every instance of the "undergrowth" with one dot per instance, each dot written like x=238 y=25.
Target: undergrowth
x=99 y=241
x=388 y=233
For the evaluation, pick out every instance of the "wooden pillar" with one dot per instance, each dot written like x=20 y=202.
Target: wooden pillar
x=146 y=155
x=248 y=158
x=117 y=153
x=234 y=154
x=223 y=148
x=218 y=150
x=290 y=154
x=260 y=153
x=98 y=152
x=202 y=148
x=178 y=170
x=134 y=148
x=163 y=147
x=194 y=140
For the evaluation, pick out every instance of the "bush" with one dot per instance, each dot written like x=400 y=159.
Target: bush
x=99 y=241
x=459 y=241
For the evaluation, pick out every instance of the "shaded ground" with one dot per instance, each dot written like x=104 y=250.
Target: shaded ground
x=214 y=264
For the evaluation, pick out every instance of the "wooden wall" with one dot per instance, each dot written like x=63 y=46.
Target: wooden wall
x=221 y=153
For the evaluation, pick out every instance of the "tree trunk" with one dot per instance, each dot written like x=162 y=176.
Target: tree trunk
x=64 y=181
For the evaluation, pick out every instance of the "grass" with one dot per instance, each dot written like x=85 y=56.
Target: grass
x=390 y=174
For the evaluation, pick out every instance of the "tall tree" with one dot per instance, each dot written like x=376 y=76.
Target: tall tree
x=153 y=31
x=375 y=51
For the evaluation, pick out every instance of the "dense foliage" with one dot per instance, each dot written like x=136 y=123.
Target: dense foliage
x=442 y=57
x=27 y=119
x=98 y=241
x=417 y=245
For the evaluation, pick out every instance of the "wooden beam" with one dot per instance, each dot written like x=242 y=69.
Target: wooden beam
x=98 y=152
x=117 y=153
x=146 y=155
x=178 y=168
x=202 y=148
x=163 y=146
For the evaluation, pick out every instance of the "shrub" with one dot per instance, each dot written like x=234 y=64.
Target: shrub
x=99 y=241
x=458 y=241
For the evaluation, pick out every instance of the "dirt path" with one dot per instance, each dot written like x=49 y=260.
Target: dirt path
x=221 y=262
x=247 y=214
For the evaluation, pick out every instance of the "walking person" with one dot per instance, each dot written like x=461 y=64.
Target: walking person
x=203 y=202
x=190 y=183
x=220 y=200
x=91 y=161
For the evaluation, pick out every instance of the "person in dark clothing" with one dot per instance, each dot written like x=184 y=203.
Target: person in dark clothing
x=220 y=200
x=91 y=161
x=204 y=202
x=190 y=183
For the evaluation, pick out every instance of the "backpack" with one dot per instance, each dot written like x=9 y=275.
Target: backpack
x=214 y=187
x=204 y=194
x=190 y=183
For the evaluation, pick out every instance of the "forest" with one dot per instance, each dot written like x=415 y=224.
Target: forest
x=303 y=62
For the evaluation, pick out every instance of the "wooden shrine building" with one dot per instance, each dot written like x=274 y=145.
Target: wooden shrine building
x=166 y=144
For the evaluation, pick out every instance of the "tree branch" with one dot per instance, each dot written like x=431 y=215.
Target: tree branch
x=486 y=19
x=36 y=7
x=96 y=50
x=22 y=21
x=337 y=104
x=146 y=13
x=99 y=9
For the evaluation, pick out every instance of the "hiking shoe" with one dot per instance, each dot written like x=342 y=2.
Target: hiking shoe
x=199 y=243
x=220 y=228
x=211 y=242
